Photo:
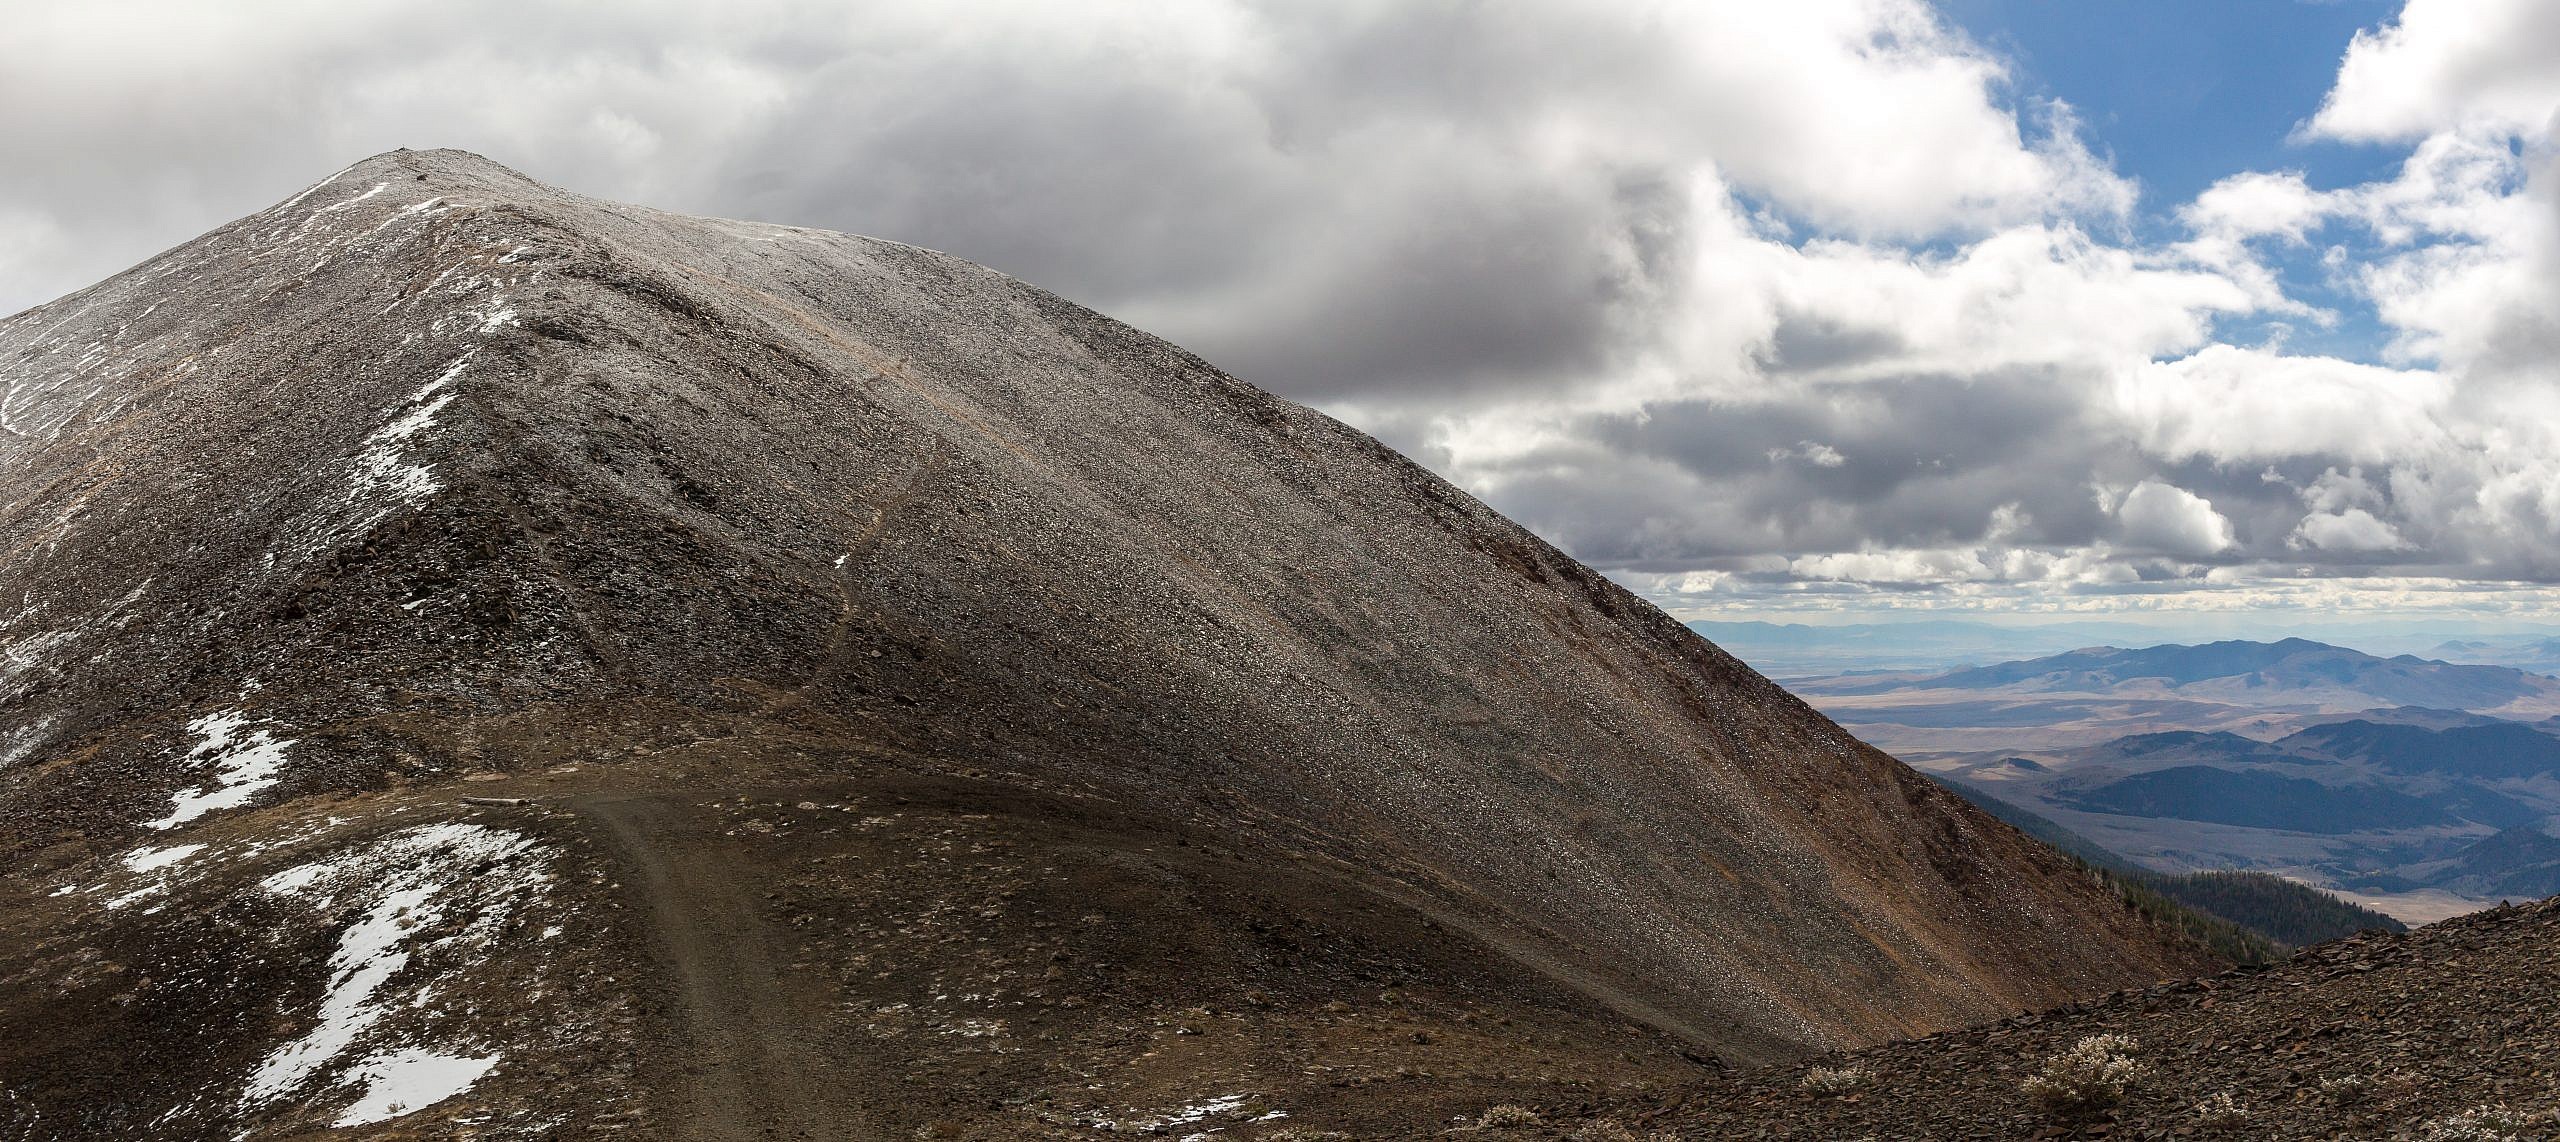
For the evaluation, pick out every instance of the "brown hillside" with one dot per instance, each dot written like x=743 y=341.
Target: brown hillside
x=935 y=706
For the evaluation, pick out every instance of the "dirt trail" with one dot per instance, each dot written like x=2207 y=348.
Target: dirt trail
x=848 y=606
x=748 y=1068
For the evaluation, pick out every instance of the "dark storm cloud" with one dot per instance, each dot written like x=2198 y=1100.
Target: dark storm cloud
x=1917 y=461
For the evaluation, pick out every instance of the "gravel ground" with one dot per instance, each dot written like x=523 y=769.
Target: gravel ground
x=2427 y=1034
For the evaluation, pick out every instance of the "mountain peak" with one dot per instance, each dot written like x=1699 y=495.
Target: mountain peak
x=442 y=164
x=838 y=636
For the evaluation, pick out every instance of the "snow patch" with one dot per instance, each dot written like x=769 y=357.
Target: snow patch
x=244 y=764
x=399 y=888
x=18 y=744
x=313 y=189
x=152 y=860
x=383 y=479
x=412 y=210
x=410 y=1079
x=1188 y=1114
x=1195 y=1112
x=370 y=952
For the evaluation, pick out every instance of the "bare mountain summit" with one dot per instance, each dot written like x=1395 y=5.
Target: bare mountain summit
x=486 y=662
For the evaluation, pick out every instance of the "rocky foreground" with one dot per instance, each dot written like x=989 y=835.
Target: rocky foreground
x=2448 y=1032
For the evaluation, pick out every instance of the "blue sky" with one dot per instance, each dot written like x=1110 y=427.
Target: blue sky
x=2181 y=94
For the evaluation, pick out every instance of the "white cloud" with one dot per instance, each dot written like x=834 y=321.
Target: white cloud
x=2256 y=204
x=2449 y=65
x=2170 y=519
x=2352 y=530
x=1869 y=116
x=2230 y=404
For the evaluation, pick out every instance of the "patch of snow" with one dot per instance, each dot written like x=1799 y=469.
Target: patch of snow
x=369 y=954
x=410 y=211
x=244 y=765
x=1185 y=1115
x=333 y=208
x=313 y=189
x=409 y=1080
x=17 y=744
x=1195 y=1112
x=401 y=886
x=293 y=881
x=143 y=893
x=382 y=478
x=151 y=860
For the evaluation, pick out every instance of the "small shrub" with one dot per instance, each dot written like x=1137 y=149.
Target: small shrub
x=2484 y=1124
x=1508 y=1114
x=2221 y=1112
x=2092 y=1077
x=1828 y=1081
x=2345 y=1089
x=1610 y=1130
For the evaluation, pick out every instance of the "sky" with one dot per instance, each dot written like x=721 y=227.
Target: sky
x=2161 y=310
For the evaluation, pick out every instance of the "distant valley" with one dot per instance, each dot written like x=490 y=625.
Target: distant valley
x=2421 y=786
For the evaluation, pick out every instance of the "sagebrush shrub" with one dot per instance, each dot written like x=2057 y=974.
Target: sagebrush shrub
x=2222 y=1111
x=1830 y=1081
x=2094 y=1075
x=1609 y=1130
x=1508 y=1114
x=2485 y=1124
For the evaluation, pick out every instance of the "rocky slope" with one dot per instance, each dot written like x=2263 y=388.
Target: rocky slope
x=481 y=661
x=2447 y=1032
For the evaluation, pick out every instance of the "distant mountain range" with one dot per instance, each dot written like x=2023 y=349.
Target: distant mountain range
x=2092 y=695
x=1925 y=645
x=1805 y=649
x=2391 y=776
x=2538 y=653
x=2383 y=807
x=2294 y=671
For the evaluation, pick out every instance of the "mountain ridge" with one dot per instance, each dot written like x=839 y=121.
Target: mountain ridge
x=547 y=556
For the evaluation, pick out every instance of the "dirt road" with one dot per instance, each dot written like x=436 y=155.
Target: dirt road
x=752 y=1070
